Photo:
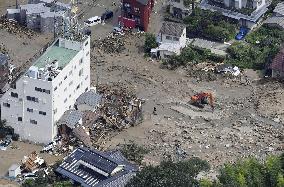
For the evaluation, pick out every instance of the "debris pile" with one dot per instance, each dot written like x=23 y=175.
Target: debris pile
x=32 y=163
x=111 y=44
x=120 y=109
x=212 y=71
x=14 y=28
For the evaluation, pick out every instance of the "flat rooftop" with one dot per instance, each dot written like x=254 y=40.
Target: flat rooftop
x=62 y=55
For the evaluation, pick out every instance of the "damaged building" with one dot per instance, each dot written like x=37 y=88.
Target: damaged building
x=43 y=15
x=39 y=97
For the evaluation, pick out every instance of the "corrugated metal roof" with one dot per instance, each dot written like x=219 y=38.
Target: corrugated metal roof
x=71 y=118
x=90 y=98
x=3 y=58
x=275 y=20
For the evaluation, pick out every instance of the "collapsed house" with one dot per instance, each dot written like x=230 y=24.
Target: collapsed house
x=5 y=72
x=43 y=15
x=92 y=168
x=171 y=39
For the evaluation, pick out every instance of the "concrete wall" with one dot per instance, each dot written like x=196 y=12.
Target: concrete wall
x=25 y=86
x=54 y=104
x=174 y=39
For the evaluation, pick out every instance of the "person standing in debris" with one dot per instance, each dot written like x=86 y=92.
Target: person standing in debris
x=155 y=111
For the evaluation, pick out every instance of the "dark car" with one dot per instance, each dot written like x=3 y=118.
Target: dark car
x=107 y=15
x=243 y=32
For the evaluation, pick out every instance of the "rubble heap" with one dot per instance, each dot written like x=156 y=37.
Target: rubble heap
x=14 y=28
x=111 y=44
x=120 y=109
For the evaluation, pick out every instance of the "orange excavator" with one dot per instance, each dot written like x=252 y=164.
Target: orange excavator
x=202 y=98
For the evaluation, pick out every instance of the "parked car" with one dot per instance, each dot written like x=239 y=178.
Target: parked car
x=29 y=176
x=117 y=30
x=107 y=15
x=93 y=21
x=242 y=33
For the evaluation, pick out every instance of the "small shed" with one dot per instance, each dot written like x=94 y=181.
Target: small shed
x=14 y=170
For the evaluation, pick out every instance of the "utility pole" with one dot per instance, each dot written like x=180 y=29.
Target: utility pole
x=17 y=5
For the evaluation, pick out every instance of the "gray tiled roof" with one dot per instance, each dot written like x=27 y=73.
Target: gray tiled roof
x=275 y=20
x=89 y=176
x=90 y=98
x=71 y=118
x=172 y=29
x=279 y=9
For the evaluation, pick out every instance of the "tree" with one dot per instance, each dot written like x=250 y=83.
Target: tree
x=62 y=184
x=150 y=43
x=134 y=152
x=274 y=170
x=168 y=173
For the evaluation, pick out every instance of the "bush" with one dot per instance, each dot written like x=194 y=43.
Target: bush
x=15 y=137
x=134 y=152
x=191 y=55
x=168 y=173
x=150 y=42
x=260 y=49
x=210 y=25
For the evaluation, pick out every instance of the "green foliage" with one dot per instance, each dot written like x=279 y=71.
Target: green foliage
x=251 y=173
x=210 y=25
x=261 y=47
x=168 y=173
x=62 y=184
x=205 y=183
x=150 y=42
x=134 y=152
x=191 y=55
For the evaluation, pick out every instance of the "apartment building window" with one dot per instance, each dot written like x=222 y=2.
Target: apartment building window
x=33 y=121
x=65 y=77
x=42 y=113
x=13 y=94
x=78 y=87
x=86 y=89
x=75 y=67
x=88 y=53
x=81 y=72
x=55 y=111
x=81 y=61
x=86 y=43
x=65 y=89
x=30 y=110
x=70 y=72
x=70 y=83
x=86 y=77
x=34 y=99
x=6 y=105
x=60 y=83
x=55 y=88
x=69 y=95
x=42 y=90
x=20 y=119
x=65 y=100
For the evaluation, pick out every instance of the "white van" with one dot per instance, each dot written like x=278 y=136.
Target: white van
x=93 y=21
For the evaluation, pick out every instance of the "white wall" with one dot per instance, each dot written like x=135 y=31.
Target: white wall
x=45 y=129
x=25 y=86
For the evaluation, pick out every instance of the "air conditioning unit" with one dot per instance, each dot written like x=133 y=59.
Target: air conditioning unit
x=20 y=99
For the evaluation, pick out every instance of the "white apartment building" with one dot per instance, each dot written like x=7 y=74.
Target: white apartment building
x=50 y=87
